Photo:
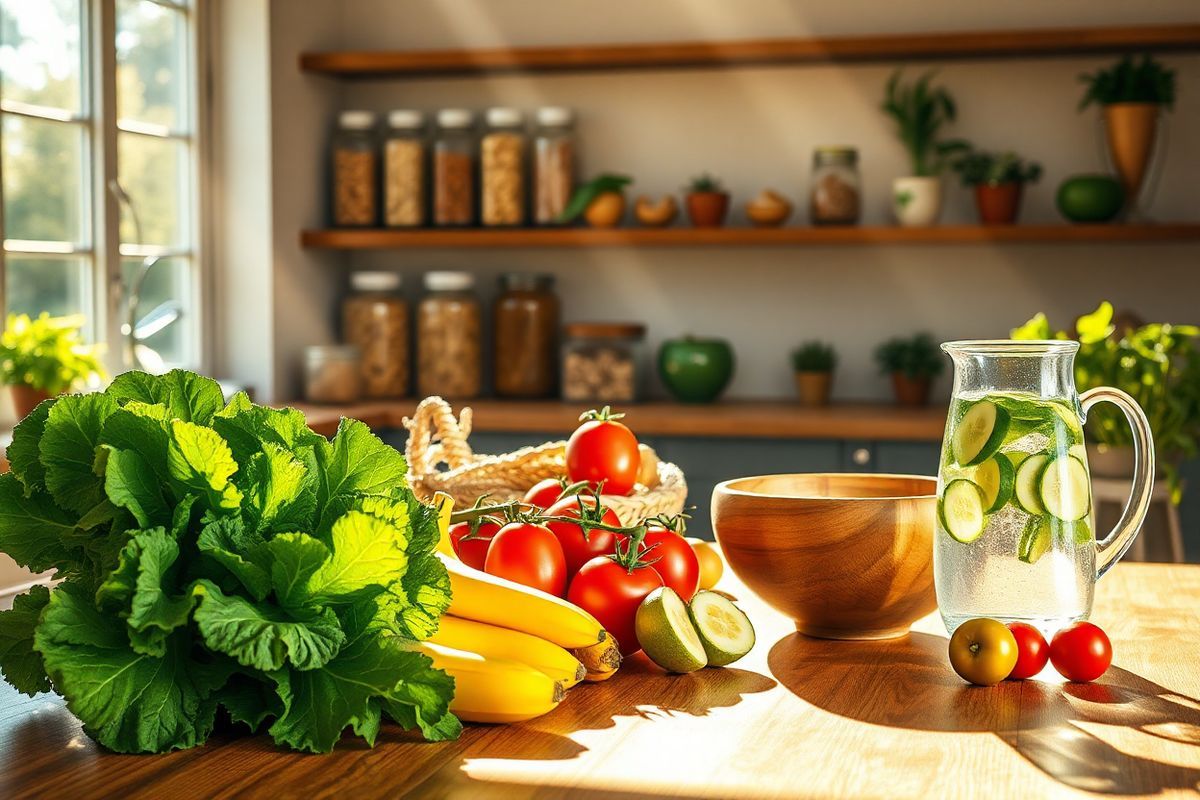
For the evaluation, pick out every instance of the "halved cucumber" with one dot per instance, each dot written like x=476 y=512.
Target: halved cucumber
x=1029 y=476
x=1035 y=539
x=995 y=478
x=979 y=433
x=724 y=629
x=1066 y=489
x=961 y=510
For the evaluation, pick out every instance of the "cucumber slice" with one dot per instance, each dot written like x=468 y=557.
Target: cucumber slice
x=1066 y=490
x=724 y=629
x=995 y=478
x=1083 y=534
x=665 y=632
x=1029 y=475
x=1035 y=539
x=979 y=433
x=961 y=511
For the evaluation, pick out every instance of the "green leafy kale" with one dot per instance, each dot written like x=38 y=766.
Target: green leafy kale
x=217 y=556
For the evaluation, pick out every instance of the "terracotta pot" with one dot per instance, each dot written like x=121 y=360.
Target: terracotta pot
x=998 y=203
x=26 y=398
x=1131 y=130
x=917 y=200
x=814 y=388
x=707 y=209
x=912 y=392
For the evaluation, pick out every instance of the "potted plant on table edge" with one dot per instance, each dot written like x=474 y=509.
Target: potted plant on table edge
x=813 y=364
x=43 y=357
x=912 y=363
x=997 y=180
x=707 y=202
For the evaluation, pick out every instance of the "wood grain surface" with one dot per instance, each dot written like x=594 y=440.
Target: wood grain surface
x=797 y=717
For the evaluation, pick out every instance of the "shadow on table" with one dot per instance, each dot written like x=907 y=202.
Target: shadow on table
x=907 y=683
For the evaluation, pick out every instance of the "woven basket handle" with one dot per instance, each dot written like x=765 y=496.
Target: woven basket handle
x=435 y=436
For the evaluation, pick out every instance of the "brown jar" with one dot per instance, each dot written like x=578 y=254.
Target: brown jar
x=454 y=169
x=449 y=337
x=375 y=320
x=525 y=317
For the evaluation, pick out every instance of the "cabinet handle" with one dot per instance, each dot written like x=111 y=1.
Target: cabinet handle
x=861 y=456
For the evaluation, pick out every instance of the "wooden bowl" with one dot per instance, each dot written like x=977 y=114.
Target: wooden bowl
x=846 y=556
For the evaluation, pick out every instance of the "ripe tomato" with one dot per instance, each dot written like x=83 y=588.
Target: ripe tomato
x=602 y=449
x=983 y=651
x=1032 y=651
x=544 y=493
x=1081 y=652
x=674 y=561
x=612 y=593
x=472 y=550
x=578 y=547
x=530 y=555
x=711 y=565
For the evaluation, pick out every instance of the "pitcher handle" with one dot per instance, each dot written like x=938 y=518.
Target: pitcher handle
x=1110 y=549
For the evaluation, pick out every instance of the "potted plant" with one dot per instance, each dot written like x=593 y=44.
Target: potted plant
x=813 y=364
x=600 y=201
x=1132 y=93
x=997 y=180
x=44 y=357
x=912 y=363
x=707 y=202
x=920 y=111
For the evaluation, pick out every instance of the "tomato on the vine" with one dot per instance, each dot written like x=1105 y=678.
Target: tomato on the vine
x=612 y=591
x=1081 y=652
x=673 y=559
x=604 y=450
x=544 y=493
x=1032 y=651
x=580 y=546
x=472 y=548
x=530 y=555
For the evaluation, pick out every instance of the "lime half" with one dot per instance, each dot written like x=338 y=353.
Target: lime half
x=665 y=632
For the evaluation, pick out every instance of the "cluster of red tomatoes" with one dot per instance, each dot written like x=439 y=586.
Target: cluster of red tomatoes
x=985 y=651
x=567 y=543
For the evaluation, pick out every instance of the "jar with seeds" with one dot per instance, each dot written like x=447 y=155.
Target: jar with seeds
x=603 y=362
x=502 y=165
x=449 y=337
x=375 y=320
x=454 y=169
x=404 y=156
x=355 y=170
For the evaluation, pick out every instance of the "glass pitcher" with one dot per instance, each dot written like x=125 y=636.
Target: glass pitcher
x=1015 y=539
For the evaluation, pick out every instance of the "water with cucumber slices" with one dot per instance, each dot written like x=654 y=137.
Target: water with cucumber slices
x=1014 y=526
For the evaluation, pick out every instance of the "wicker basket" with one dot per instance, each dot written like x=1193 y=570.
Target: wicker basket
x=436 y=437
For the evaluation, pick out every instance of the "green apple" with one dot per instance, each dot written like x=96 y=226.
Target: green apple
x=1090 y=198
x=695 y=370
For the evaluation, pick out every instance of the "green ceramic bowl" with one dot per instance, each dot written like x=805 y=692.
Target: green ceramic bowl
x=1090 y=198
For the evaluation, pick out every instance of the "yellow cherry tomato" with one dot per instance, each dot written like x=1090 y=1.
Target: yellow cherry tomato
x=711 y=564
x=983 y=651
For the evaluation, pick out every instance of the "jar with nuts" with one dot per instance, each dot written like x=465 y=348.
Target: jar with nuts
x=502 y=157
x=553 y=164
x=449 y=337
x=355 y=170
x=331 y=374
x=454 y=169
x=603 y=362
x=404 y=170
x=375 y=320
x=835 y=186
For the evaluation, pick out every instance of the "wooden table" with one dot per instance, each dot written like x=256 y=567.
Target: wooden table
x=797 y=717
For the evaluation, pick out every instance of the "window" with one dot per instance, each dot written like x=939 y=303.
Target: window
x=93 y=199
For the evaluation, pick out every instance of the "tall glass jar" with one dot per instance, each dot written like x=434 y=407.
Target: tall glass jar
x=404 y=170
x=375 y=320
x=355 y=170
x=553 y=163
x=502 y=156
x=525 y=319
x=332 y=374
x=449 y=337
x=836 y=187
x=454 y=169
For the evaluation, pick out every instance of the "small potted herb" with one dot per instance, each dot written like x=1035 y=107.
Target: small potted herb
x=600 y=201
x=912 y=363
x=44 y=357
x=813 y=364
x=997 y=180
x=707 y=202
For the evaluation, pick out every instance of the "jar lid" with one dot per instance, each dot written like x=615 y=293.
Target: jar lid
x=526 y=282
x=449 y=281
x=375 y=281
x=331 y=352
x=604 y=330
x=554 y=116
x=501 y=117
x=357 y=120
x=406 y=118
x=837 y=154
x=455 y=118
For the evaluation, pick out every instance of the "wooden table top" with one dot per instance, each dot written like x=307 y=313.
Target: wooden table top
x=797 y=717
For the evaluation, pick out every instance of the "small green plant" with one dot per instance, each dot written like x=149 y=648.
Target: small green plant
x=585 y=194
x=46 y=353
x=814 y=356
x=920 y=111
x=704 y=183
x=978 y=167
x=916 y=356
x=1130 y=81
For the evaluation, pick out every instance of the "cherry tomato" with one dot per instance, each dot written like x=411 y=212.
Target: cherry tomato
x=602 y=449
x=1081 y=652
x=612 y=594
x=580 y=548
x=673 y=559
x=711 y=565
x=544 y=493
x=983 y=651
x=1032 y=651
x=472 y=550
x=530 y=555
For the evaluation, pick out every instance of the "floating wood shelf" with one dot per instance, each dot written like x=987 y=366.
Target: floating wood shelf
x=372 y=239
x=890 y=47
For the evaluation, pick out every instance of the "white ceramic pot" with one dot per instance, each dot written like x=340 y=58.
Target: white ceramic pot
x=917 y=201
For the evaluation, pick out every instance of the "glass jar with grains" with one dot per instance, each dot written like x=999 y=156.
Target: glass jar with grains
x=603 y=362
x=375 y=320
x=449 y=337
x=502 y=168
x=525 y=318
x=454 y=169
x=404 y=169
x=331 y=374
x=835 y=186
x=553 y=163
x=355 y=170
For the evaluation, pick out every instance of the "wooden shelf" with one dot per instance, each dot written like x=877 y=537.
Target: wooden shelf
x=373 y=239
x=733 y=419
x=888 y=47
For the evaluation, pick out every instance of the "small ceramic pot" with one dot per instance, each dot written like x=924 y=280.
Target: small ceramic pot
x=707 y=209
x=917 y=200
x=814 y=388
x=26 y=398
x=911 y=392
x=998 y=203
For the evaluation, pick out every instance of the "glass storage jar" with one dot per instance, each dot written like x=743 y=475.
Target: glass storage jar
x=603 y=362
x=332 y=374
x=525 y=321
x=553 y=163
x=375 y=320
x=836 y=188
x=404 y=170
x=355 y=168
x=454 y=169
x=449 y=337
x=502 y=168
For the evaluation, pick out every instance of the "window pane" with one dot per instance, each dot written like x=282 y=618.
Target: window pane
x=43 y=180
x=164 y=313
x=151 y=64
x=54 y=284
x=155 y=173
x=40 y=55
